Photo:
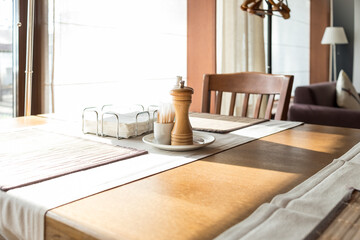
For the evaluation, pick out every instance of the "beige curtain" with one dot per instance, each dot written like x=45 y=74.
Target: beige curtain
x=240 y=39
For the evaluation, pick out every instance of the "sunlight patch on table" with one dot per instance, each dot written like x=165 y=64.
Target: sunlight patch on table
x=314 y=141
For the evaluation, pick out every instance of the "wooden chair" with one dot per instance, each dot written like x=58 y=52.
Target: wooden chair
x=249 y=83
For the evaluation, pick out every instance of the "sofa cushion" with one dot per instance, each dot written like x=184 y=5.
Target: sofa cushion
x=331 y=116
x=323 y=94
x=346 y=95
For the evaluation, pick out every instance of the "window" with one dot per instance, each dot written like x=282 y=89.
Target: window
x=6 y=59
x=291 y=43
x=114 y=52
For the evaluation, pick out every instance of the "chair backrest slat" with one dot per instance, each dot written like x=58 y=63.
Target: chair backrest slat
x=232 y=104
x=257 y=106
x=269 y=106
x=218 y=102
x=249 y=83
x=245 y=105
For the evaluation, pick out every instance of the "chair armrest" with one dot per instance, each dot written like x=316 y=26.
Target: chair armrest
x=323 y=115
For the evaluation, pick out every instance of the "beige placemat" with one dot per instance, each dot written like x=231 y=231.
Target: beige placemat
x=220 y=123
x=32 y=155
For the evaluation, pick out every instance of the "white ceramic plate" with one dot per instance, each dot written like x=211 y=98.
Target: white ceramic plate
x=200 y=140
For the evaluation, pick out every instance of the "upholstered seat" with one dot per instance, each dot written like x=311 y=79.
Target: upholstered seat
x=316 y=104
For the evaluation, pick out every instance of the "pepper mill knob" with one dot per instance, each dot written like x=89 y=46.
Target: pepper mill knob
x=182 y=131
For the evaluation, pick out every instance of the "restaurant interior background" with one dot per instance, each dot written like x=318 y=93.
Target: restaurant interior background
x=132 y=51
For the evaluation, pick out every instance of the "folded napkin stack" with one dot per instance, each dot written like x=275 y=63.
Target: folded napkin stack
x=130 y=124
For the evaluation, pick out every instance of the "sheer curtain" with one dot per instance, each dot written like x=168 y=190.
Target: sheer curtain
x=114 y=52
x=240 y=40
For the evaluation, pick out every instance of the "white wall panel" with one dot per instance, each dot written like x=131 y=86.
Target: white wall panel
x=291 y=43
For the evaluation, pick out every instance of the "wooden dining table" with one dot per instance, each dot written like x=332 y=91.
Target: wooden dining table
x=201 y=199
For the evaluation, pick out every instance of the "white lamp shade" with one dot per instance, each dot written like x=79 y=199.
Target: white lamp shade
x=334 y=35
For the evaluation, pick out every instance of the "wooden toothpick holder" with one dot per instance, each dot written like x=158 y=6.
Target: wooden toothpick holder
x=182 y=132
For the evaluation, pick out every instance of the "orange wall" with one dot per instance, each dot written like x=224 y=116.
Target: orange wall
x=319 y=54
x=201 y=45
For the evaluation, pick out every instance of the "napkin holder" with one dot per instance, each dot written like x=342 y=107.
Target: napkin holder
x=112 y=121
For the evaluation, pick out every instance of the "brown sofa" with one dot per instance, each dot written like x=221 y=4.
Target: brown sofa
x=316 y=104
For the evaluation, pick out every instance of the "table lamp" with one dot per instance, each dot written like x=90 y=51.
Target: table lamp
x=333 y=36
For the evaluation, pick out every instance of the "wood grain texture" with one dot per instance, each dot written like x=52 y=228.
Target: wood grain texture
x=22 y=122
x=41 y=55
x=346 y=225
x=57 y=231
x=232 y=104
x=182 y=133
x=40 y=25
x=204 y=198
x=245 y=105
x=319 y=54
x=249 y=83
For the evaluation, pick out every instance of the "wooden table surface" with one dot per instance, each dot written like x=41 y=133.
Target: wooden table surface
x=202 y=199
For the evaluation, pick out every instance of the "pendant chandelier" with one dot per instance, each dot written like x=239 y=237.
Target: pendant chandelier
x=254 y=7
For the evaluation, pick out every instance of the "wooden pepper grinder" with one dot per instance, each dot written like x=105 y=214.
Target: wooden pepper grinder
x=182 y=131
